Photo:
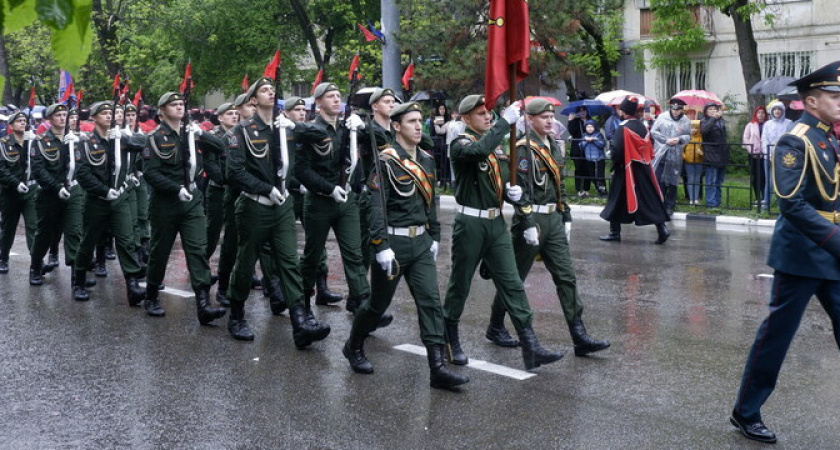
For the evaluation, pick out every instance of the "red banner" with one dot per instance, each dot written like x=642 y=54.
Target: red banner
x=407 y=76
x=354 y=68
x=271 y=67
x=187 y=78
x=318 y=78
x=508 y=43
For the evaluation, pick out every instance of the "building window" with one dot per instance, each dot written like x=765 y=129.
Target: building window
x=690 y=75
x=789 y=64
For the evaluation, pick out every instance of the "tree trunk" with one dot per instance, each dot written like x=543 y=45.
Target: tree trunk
x=105 y=23
x=308 y=31
x=604 y=65
x=4 y=70
x=747 y=51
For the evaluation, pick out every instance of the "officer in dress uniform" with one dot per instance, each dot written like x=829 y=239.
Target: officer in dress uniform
x=173 y=166
x=18 y=189
x=805 y=249
x=404 y=229
x=544 y=231
x=480 y=233
x=106 y=204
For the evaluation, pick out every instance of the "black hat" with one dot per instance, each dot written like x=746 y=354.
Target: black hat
x=54 y=108
x=710 y=105
x=676 y=102
x=629 y=105
x=826 y=78
x=293 y=102
x=73 y=112
x=252 y=91
x=404 y=109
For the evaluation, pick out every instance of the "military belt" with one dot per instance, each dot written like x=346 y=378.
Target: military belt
x=31 y=183
x=490 y=214
x=544 y=209
x=261 y=199
x=214 y=184
x=831 y=216
x=74 y=183
x=412 y=231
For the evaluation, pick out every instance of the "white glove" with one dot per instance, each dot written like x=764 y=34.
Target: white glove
x=138 y=174
x=184 y=195
x=194 y=128
x=531 y=236
x=29 y=135
x=303 y=189
x=511 y=114
x=283 y=122
x=113 y=194
x=134 y=180
x=385 y=258
x=354 y=122
x=127 y=132
x=339 y=195
x=434 y=250
x=114 y=133
x=71 y=137
x=514 y=193
x=568 y=228
x=276 y=197
x=63 y=193
x=23 y=188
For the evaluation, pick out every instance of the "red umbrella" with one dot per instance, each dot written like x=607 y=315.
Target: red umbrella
x=551 y=100
x=697 y=99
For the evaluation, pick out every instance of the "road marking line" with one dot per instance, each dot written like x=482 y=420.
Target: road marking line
x=475 y=364
x=765 y=275
x=13 y=254
x=169 y=290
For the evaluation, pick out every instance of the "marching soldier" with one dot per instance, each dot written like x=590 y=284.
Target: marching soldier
x=265 y=214
x=18 y=189
x=173 y=164
x=479 y=232
x=139 y=194
x=106 y=204
x=544 y=230
x=214 y=165
x=404 y=229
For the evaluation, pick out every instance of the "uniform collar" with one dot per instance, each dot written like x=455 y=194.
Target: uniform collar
x=259 y=122
x=320 y=119
x=166 y=129
x=812 y=121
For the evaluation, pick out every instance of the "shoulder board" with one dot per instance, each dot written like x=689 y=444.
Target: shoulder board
x=799 y=130
x=388 y=152
x=467 y=136
x=424 y=154
x=523 y=142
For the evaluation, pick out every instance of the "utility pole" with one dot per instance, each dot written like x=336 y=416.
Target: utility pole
x=391 y=65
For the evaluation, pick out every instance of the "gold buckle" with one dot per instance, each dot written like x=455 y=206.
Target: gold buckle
x=836 y=217
x=412 y=231
x=491 y=214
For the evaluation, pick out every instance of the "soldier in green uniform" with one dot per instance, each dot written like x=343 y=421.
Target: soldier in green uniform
x=18 y=189
x=327 y=204
x=139 y=193
x=405 y=234
x=479 y=232
x=61 y=201
x=544 y=231
x=173 y=165
x=265 y=213
x=101 y=170
x=214 y=165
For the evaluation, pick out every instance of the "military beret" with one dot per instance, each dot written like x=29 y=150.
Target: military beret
x=223 y=108
x=252 y=91
x=54 y=108
x=73 y=112
x=169 y=97
x=130 y=107
x=99 y=107
x=240 y=100
x=469 y=103
x=378 y=93
x=323 y=88
x=293 y=102
x=16 y=116
x=826 y=78
x=538 y=106
x=405 y=108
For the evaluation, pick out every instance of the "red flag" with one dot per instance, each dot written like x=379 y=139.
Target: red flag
x=124 y=95
x=318 y=77
x=245 y=84
x=68 y=92
x=79 y=97
x=115 y=87
x=354 y=68
x=368 y=35
x=187 y=76
x=138 y=97
x=271 y=67
x=31 y=97
x=508 y=42
x=407 y=76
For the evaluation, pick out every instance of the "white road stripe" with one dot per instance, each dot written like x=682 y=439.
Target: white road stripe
x=13 y=254
x=475 y=364
x=171 y=291
x=769 y=276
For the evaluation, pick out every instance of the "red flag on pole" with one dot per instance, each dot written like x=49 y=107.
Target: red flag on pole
x=245 y=84
x=271 y=67
x=354 y=67
x=124 y=95
x=318 y=78
x=407 y=76
x=508 y=43
x=187 y=76
x=115 y=87
x=68 y=92
x=368 y=35
x=31 y=98
x=79 y=94
x=138 y=97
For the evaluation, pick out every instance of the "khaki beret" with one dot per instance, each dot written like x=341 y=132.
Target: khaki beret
x=223 y=108
x=169 y=97
x=323 y=88
x=405 y=108
x=538 y=106
x=293 y=102
x=469 y=103
x=54 y=108
x=99 y=107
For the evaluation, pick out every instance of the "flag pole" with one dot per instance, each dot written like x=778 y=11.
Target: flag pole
x=512 y=147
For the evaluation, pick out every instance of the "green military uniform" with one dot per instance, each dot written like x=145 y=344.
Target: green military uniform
x=14 y=170
x=214 y=165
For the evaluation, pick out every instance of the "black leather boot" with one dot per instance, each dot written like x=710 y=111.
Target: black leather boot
x=615 y=233
x=80 y=294
x=496 y=331
x=304 y=331
x=206 y=312
x=221 y=293
x=484 y=271
x=532 y=352
x=52 y=263
x=99 y=268
x=584 y=343
x=136 y=294
x=35 y=277
x=237 y=325
x=384 y=320
x=439 y=376
x=354 y=351
x=276 y=297
x=662 y=233
x=255 y=283
x=453 y=346
x=152 y=303
x=4 y=266
x=324 y=295
x=353 y=303
x=109 y=250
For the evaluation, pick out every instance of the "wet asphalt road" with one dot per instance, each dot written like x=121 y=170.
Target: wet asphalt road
x=681 y=318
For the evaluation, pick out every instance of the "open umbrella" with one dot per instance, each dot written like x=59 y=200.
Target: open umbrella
x=697 y=99
x=425 y=96
x=551 y=100
x=772 y=85
x=788 y=93
x=593 y=107
x=615 y=97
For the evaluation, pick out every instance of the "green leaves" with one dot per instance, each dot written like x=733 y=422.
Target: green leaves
x=72 y=45
x=17 y=14
x=55 y=13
